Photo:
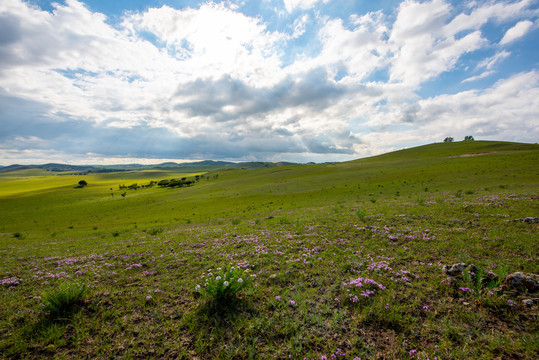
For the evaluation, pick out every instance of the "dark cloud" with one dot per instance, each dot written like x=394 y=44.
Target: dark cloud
x=210 y=98
x=9 y=30
x=24 y=127
x=409 y=114
x=9 y=33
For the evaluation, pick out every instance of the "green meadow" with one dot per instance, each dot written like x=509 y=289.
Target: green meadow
x=344 y=260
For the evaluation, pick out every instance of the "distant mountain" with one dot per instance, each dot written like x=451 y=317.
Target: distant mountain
x=48 y=167
x=204 y=165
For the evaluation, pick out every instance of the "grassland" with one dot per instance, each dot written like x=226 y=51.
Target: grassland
x=311 y=234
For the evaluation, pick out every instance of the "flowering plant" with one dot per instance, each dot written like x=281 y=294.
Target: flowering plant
x=224 y=283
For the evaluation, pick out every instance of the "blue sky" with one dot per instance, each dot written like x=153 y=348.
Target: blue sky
x=104 y=82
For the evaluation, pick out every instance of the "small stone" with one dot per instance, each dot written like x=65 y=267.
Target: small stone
x=528 y=302
x=522 y=282
x=455 y=269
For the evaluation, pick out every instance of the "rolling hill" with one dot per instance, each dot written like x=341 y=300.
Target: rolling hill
x=347 y=259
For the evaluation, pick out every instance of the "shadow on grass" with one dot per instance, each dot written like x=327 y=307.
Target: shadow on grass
x=222 y=313
x=60 y=306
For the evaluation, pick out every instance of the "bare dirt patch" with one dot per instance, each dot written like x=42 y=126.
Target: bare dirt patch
x=473 y=154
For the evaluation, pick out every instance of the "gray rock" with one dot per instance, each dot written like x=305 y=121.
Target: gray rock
x=454 y=270
x=528 y=302
x=522 y=282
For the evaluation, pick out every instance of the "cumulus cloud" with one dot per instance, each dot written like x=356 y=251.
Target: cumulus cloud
x=507 y=108
x=213 y=82
x=516 y=32
x=422 y=43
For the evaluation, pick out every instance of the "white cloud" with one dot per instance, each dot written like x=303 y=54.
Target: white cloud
x=421 y=43
x=490 y=62
x=291 y=5
x=214 y=40
x=354 y=53
x=483 y=75
x=516 y=32
x=299 y=25
x=501 y=112
x=427 y=41
x=490 y=11
x=211 y=81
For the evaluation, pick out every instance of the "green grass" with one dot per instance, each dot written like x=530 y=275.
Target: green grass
x=308 y=233
x=63 y=300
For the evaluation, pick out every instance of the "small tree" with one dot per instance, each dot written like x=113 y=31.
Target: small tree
x=469 y=138
x=82 y=184
x=448 y=139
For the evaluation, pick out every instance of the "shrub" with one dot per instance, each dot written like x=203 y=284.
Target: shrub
x=224 y=284
x=236 y=221
x=360 y=213
x=155 y=231
x=63 y=300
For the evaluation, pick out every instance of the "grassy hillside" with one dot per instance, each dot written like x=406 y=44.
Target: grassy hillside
x=308 y=233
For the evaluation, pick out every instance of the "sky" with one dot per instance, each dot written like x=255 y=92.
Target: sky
x=130 y=81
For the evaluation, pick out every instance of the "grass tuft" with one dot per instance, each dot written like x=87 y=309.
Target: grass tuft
x=64 y=300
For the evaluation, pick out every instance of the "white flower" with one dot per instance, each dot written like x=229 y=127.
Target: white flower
x=226 y=283
x=197 y=287
x=240 y=280
x=218 y=269
x=217 y=278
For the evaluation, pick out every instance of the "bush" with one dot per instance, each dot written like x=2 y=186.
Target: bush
x=224 y=284
x=155 y=231
x=360 y=213
x=64 y=300
x=81 y=184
